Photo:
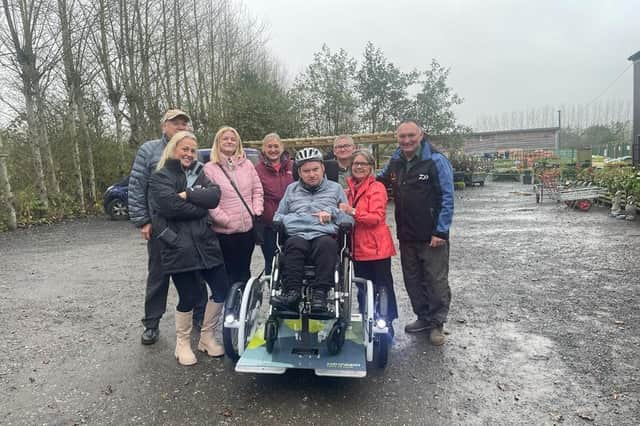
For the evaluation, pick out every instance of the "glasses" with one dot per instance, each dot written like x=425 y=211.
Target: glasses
x=345 y=146
x=359 y=164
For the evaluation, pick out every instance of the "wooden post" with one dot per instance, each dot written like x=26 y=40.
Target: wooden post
x=5 y=188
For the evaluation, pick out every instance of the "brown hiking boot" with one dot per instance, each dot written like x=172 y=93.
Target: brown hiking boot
x=417 y=326
x=436 y=337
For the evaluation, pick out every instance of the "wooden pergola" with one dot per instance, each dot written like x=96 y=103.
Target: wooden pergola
x=327 y=141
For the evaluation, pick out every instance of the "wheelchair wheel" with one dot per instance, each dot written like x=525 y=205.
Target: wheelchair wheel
x=381 y=342
x=381 y=345
x=335 y=338
x=232 y=308
x=244 y=308
x=270 y=333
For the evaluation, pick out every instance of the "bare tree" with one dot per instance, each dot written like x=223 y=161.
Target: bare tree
x=105 y=50
x=25 y=37
x=5 y=188
x=74 y=102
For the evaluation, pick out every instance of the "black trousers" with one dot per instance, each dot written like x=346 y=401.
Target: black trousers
x=191 y=291
x=155 y=301
x=379 y=273
x=237 y=250
x=321 y=252
x=268 y=248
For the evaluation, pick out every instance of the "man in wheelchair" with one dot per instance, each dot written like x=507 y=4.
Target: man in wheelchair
x=310 y=216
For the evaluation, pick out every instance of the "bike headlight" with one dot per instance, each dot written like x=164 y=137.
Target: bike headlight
x=380 y=323
x=229 y=319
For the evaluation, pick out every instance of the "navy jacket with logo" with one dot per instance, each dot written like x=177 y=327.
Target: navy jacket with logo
x=423 y=195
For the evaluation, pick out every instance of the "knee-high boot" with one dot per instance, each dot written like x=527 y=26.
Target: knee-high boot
x=208 y=342
x=183 y=353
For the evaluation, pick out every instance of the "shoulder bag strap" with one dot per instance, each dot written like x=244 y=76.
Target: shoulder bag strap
x=236 y=188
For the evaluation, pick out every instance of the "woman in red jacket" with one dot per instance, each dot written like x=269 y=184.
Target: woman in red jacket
x=276 y=173
x=372 y=243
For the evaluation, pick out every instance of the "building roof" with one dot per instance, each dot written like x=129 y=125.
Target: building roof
x=635 y=56
x=513 y=131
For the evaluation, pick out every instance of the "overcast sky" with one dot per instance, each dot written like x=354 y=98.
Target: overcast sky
x=504 y=55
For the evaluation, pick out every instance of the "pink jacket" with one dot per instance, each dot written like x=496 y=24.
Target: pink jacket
x=231 y=216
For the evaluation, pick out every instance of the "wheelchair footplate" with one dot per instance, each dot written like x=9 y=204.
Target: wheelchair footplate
x=294 y=349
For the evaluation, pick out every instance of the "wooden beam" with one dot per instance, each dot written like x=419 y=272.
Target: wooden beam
x=327 y=141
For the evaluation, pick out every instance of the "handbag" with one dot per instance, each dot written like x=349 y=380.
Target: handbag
x=258 y=226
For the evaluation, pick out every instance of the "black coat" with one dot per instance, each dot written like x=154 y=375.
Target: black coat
x=421 y=194
x=182 y=226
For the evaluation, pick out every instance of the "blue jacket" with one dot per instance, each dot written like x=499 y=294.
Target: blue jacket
x=143 y=167
x=296 y=209
x=426 y=187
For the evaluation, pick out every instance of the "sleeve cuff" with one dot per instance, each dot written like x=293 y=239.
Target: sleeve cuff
x=443 y=235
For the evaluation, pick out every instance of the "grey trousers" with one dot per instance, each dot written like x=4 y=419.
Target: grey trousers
x=426 y=277
x=155 y=300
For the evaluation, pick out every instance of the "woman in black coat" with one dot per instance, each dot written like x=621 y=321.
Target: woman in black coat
x=181 y=195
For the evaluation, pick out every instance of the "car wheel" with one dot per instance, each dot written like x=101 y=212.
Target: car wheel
x=117 y=210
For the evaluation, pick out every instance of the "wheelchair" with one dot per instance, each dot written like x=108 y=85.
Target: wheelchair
x=263 y=339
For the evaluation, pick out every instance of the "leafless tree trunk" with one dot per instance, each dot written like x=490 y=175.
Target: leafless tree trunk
x=5 y=188
x=54 y=186
x=110 y=73
x=73 y=90
x=22 y=42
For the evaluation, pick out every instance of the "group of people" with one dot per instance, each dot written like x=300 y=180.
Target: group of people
x=199 y=221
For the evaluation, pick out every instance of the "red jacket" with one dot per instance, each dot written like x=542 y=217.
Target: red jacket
x=274 y=183
x=371 y=237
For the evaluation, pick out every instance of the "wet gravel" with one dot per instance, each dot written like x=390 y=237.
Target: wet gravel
x=543 y=329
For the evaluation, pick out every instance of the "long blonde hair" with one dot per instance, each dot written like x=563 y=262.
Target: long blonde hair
x=215 y=148
x=171 y=146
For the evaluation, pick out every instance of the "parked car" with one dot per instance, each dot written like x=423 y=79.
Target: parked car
x=252 y=154
x=116 y=197
x=115 y=200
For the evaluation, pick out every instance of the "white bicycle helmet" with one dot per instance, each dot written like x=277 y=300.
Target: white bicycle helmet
x=307 y=154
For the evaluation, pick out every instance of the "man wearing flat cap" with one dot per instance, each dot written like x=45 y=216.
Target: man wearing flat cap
x=173 y=121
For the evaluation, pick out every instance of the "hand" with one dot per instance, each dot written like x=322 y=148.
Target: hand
x=146 y=231
x=345 y=208
x=183 y=195
x=436 y=241
x=323 y=216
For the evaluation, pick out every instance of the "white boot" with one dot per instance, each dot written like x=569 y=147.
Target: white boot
x=208 y=342
x=183 y=353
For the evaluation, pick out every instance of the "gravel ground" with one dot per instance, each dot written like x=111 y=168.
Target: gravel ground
x=543 y=329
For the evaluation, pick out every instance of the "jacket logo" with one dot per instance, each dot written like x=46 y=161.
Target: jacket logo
x=423 y=177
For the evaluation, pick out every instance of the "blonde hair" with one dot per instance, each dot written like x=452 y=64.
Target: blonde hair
x=171 y=146
x=270 y=137
x=215 y=148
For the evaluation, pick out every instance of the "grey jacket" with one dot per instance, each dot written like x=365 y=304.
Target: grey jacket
x=296 y=209
x=143 y=167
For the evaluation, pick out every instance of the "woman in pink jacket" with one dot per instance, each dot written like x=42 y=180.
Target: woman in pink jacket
x=232 y=220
